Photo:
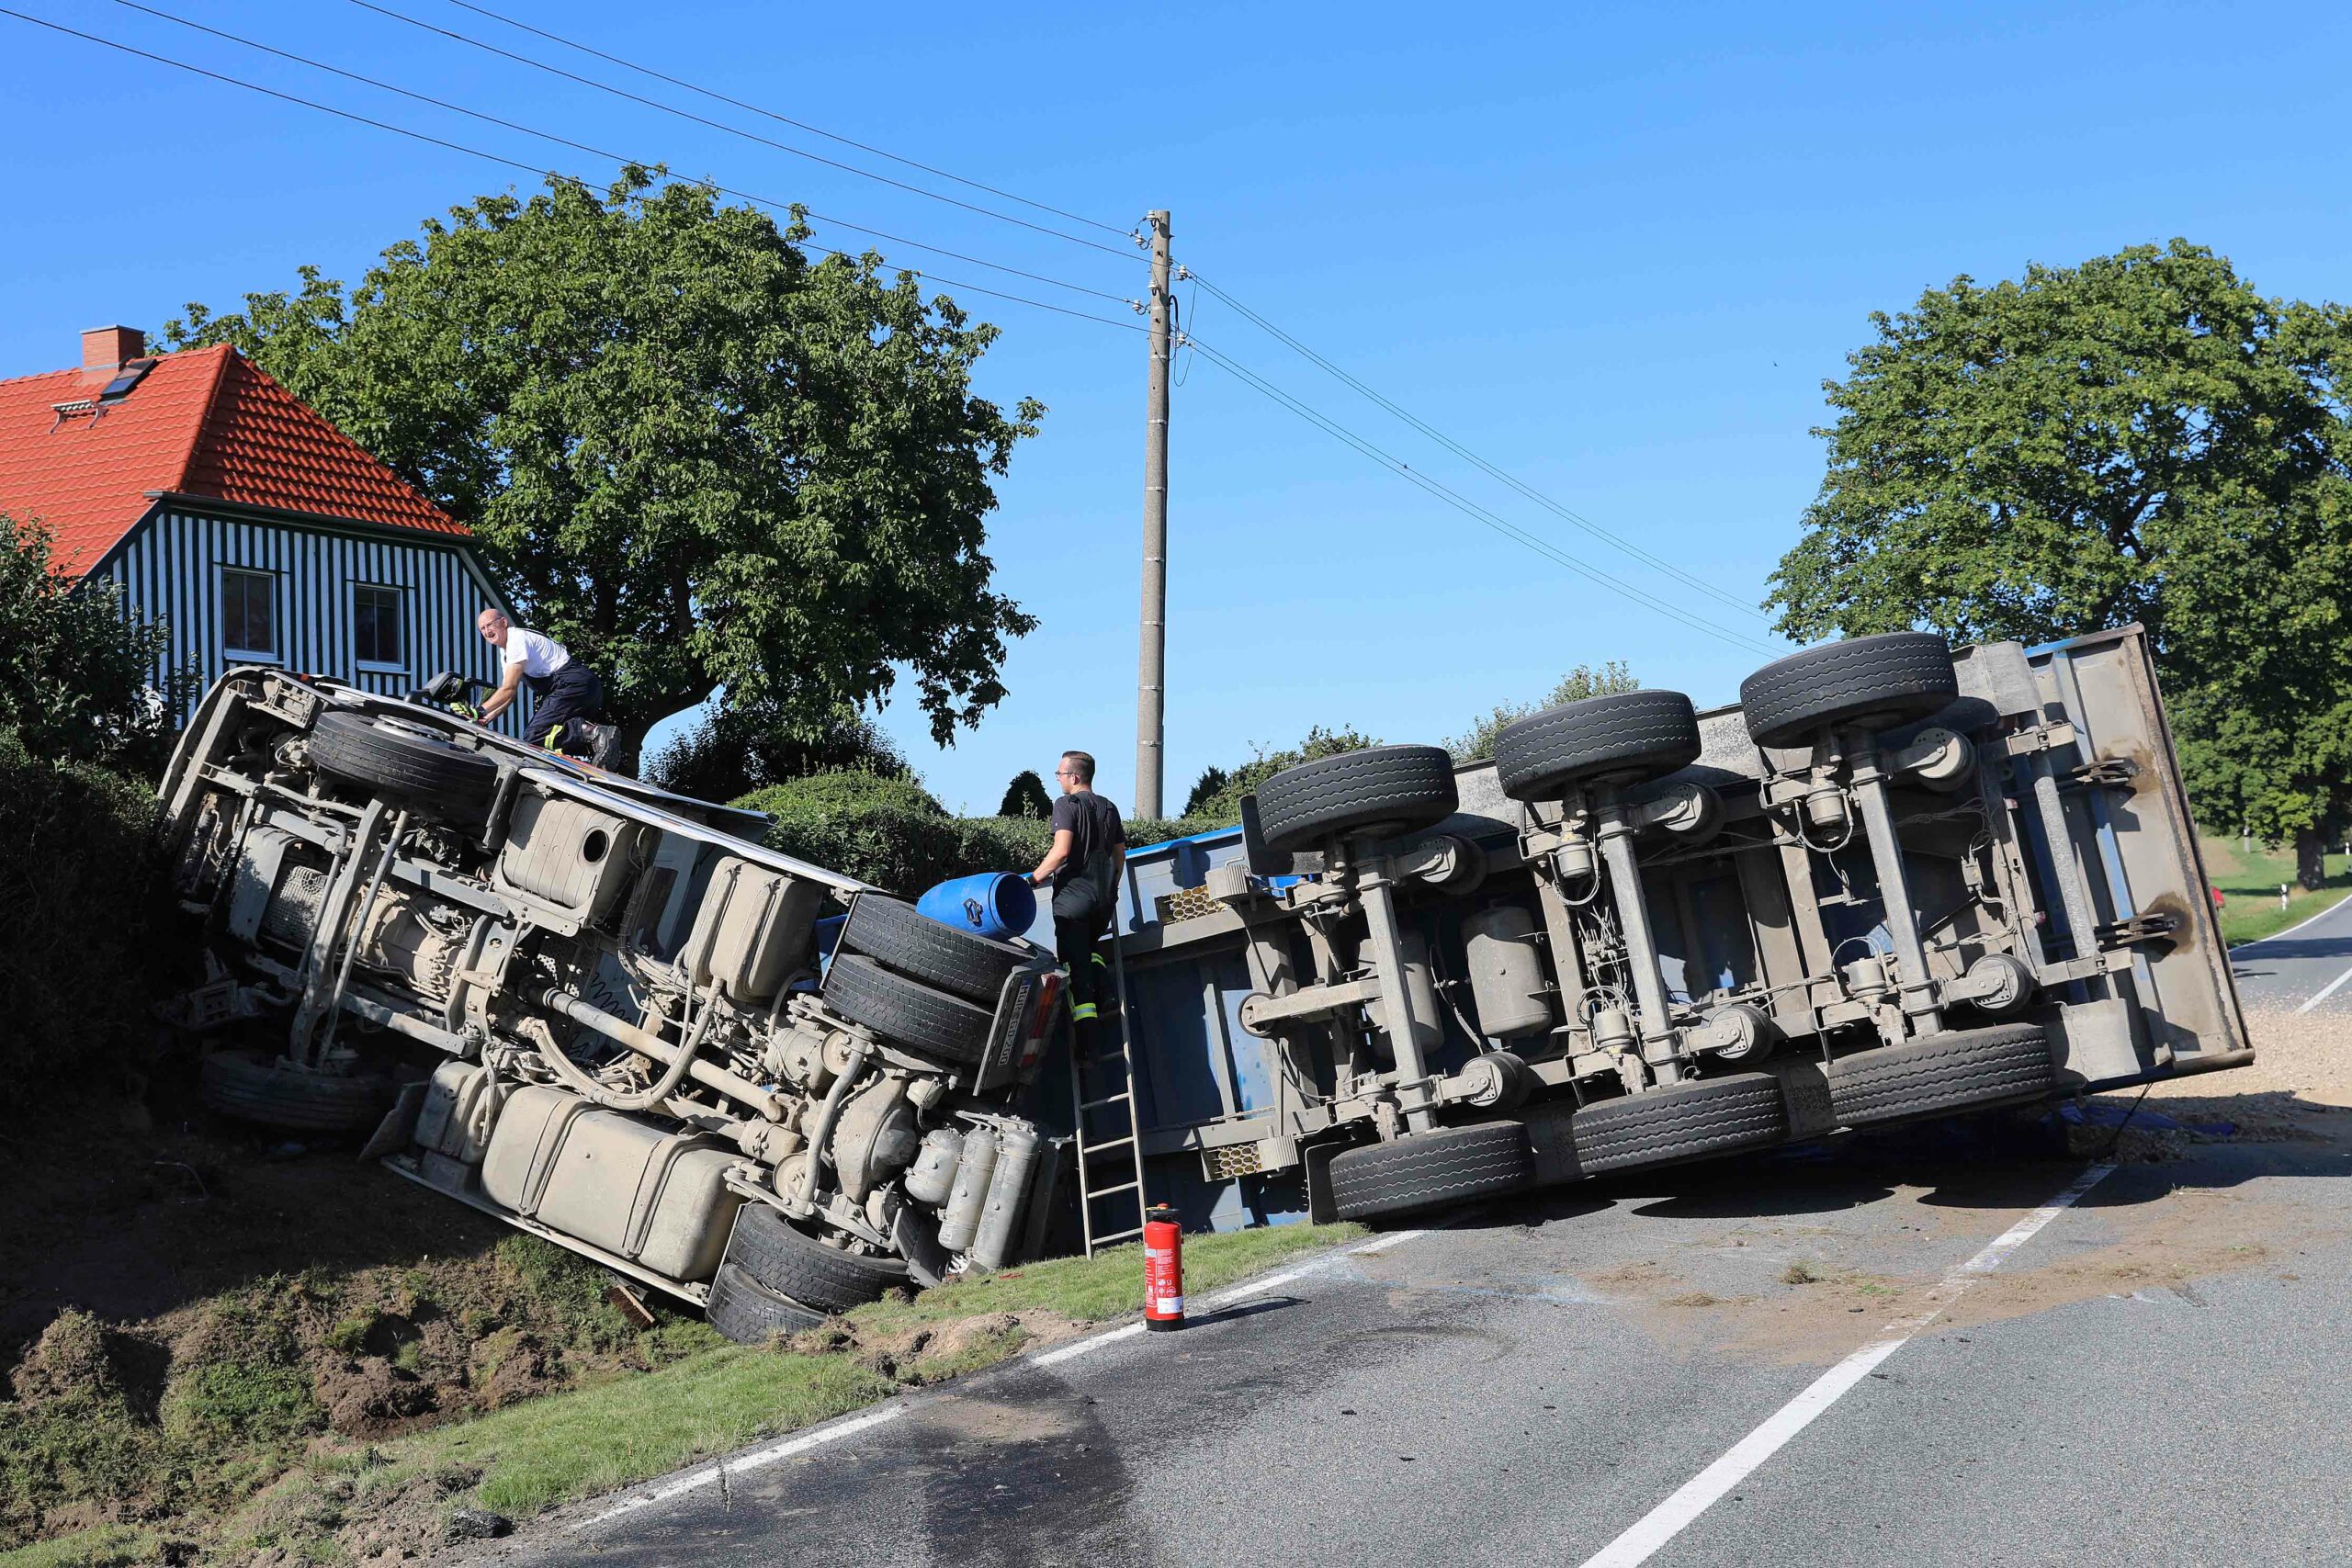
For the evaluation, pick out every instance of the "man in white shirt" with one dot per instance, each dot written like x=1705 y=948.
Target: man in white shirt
x=566 y=696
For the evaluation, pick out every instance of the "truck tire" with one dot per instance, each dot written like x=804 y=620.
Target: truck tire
x=1871 y=682
x=930 y=1021
x=1624 y=738
x=1446 y=1164
x=766 y=1246
x=274 y=1093
x=900 y=937
x=1680 y=1122
x=1388 y=789
x=749 y=1313
x=406 y=764
x=1962 y=1069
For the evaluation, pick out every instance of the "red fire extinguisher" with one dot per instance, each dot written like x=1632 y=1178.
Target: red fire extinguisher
x=1163 y=1269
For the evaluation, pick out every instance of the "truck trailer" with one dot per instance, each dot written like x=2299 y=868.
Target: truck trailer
x=1894 y=882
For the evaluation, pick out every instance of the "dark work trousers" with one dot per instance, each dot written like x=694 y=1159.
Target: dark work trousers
x=562 y=706
x=1082 y=914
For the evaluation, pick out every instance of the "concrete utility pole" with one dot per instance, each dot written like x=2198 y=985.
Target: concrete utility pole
x=1151 y=686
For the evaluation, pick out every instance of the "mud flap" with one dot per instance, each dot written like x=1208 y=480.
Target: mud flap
x=397 y=1129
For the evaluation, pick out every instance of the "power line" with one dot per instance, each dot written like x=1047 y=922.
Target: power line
x=1469 y=508
x=1128 y=254
x=784 y=119
x=518 y=164
x=770 y=202
x=1459 y=450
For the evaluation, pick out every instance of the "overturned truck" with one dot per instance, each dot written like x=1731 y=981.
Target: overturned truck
x=607 y=1014
x=1893 y=882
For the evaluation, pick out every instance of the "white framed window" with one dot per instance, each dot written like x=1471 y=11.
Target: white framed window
x=249 y=614
x=377 y=615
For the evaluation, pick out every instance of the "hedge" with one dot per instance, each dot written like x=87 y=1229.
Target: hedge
x=87 y=943
x=879 y=831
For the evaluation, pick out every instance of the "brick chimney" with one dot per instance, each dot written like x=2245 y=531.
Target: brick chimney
x=106 y=348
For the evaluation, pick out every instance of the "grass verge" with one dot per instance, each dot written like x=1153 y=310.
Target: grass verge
x=346 y=1498
x=573 y=1445
x=2249 y=879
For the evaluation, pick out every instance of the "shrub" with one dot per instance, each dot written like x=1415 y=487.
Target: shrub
x=892 y=834
x=736 y=750
x=1223 y=805
x=1477 y=743
x=89 y=945
x=846 y=789
x=76 y=673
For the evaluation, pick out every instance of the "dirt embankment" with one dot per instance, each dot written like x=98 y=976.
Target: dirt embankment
x=165 y=1363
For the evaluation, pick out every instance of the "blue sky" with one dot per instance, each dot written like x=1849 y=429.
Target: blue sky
x=1614 y=249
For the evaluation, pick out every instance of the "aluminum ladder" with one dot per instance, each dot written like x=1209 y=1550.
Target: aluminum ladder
x=1091 y=1096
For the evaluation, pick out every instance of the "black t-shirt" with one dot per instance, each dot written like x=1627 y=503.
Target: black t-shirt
x=1094 y=827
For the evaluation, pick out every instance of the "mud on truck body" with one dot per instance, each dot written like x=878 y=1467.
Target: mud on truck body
x=1893 y=882
x=637 y=1048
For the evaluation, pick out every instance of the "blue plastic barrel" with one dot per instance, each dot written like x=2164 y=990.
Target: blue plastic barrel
x=999 y=904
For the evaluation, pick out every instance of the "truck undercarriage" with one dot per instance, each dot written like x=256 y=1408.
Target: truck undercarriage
x=1894 y=882
x=747 y=1081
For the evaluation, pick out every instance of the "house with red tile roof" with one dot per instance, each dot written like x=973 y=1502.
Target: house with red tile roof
x=257 y=531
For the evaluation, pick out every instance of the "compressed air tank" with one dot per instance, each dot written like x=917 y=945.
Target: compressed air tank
x=960 y=1221
x=1506 y=974
x=1008 y=1194
x=932 y=1178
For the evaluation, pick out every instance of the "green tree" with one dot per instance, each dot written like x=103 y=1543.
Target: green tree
x=1026 y=797
x=1207 y=787
x=696 y=457
x=1225 y=805
x=77 y=669
x=2265 y=730
x=2015 y=462
x=1477 y=743
x=2142 y=437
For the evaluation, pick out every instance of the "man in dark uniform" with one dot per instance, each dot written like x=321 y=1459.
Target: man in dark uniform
x=566 y=696
x=1084 y=865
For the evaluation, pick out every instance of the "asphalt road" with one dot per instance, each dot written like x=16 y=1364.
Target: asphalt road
x=2298 y=967
x=2151 y=1376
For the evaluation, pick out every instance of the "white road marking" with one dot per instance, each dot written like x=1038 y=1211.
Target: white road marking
x=1702 y=1491
x=2332 y=986
x=1080 y=1347
x=1321 y=1265
x=776 y=1453
x=758 y=1458
x=2249 y=947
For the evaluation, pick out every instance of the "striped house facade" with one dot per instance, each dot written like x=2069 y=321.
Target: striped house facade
x=383 y=611
x=256 y=531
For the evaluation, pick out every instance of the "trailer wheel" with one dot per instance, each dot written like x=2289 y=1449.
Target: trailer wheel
x=766 y=1246
x=275 y=1093
x=1387 y=789
x=939 y=1025
x=1963 y=1069
x=405 y=763
x=1624 y=738
x=1680 y=1122
x=1870 y=682
x=899 y=937
x=1446 y=1164
x=749 y=1313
